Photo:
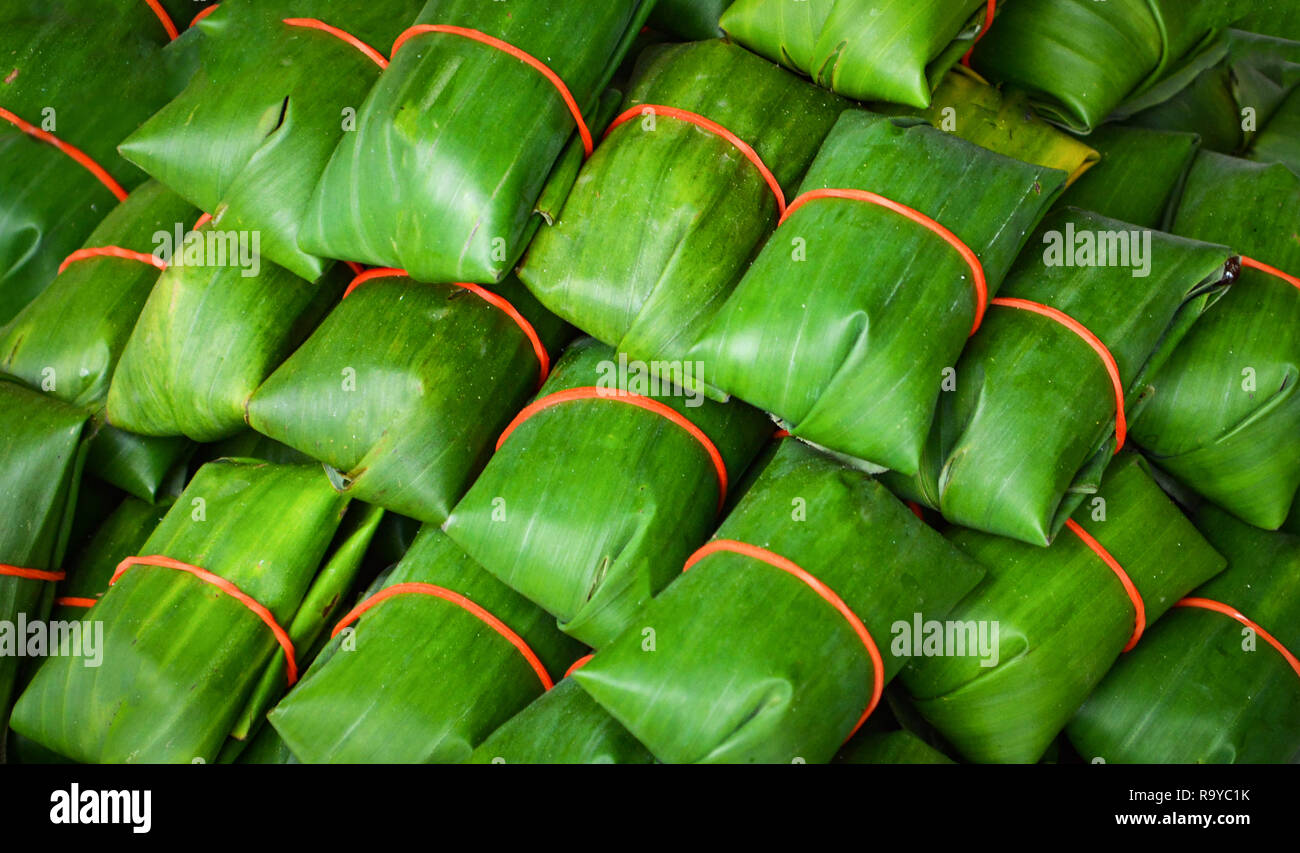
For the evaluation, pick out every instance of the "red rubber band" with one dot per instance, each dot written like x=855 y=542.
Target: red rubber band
x=82 y=158
x=967 y=254
x=989 y=12
x=493 y=299
x=1130 y=589
x=578 y=664
x=916 y=510
x=527 y=58
x=74 y=601
x=356 y=268
x=201 y=15
x=1220 y=607
x=259 y=610
x=712 y=127
x=1273 y=271
x=163 y=18
x=31 y=574
x=316 y=24
x=648 y=403
x=461 y=601
x=112 y=252
x=1107 y=360
x=201 y=221
x=779 y=562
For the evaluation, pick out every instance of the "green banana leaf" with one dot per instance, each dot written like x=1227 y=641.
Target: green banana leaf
x=420 y=679
x=870 y=50
x=665 y=215
x=457 y=142
x=121 y=535
x=249 y=445
x=739 y=661
x=689 y=19
x=1063 y=618
x=42 y=451
x=404 y=388
x=249 y=138
x=1029 y=423
x=896 y=747
x=1139 y=177
x=208 y=337
x=1280 y=18
x=1201 y=688
x=1279 y=141
x=591 y=506
x=88 y=72
x=182 y=659
x=267 y=748
x=1224 y=417
x=1081 y=60
x=851 y=312
x=562 y=726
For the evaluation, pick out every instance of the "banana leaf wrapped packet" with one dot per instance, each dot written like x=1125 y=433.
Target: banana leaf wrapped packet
x=1224 y=415
x=195 y=628
x=424 y=669
x=1139 y=177
x=665 y=215
x=1279 y=141
x=403 y=388
x=1217 y=680
x=852 y=312
x=895 y=51
x=463 y=137
x=600 y=434
x=1082 y=60
x=119 y=536
x=892 y=747
x=826 y=561
x=692 y=20
x=1041 y=396
x=1063 y=614
x=279 y=86
x=67 y=341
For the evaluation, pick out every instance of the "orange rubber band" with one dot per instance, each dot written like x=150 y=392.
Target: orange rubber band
x=1220 y=607
x=31 y=574
x=112 y=252
x=259 y=610
x=648 y=403
x=461 y=601
x=916 y=510
x=356 y=268
x=712 y=127
x=201 y=15
x=989 y=12
x=527 y=58
x=163 y=18
x=82 y=158
x=1107 y=360
x=578 y=664
x=967 y=254
x=315 y=24
x=75 y=601
x=201 y=221
x=1273 y=271
x=779 y=562
x=493 y=299
x=1130 y=589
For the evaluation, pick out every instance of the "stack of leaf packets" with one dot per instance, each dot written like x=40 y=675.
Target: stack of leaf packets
x=1139 y=176
x=188 y=657
x=405 y=386
x=689 y=19
x=459 y=140
x=894 y=51
x=1062 y=617
x=441 y=655
x=1204 y=686
x=1081 y=60
x=1224 y=417
x=852 y=312
x=665 y=216
x=1038 y=403
x=602 y=489
x=275 y=97
x=774 y=644
x=68 y=340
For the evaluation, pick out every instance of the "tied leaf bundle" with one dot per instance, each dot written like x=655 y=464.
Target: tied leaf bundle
x=851 y=312
x=1205 y=686
x=425 y=675
x=692 y=678
x=459 y=141
x=405 y=386
x=1039 y=403
x=67 y=341
x=185 y=661
x=248 y=139
x=690 y=19
x=1139 y=176
x=896 y=50
x=1224 y=417
x=602 y=488
x=896 y=747
x=1063 y=616
x=666 y=214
